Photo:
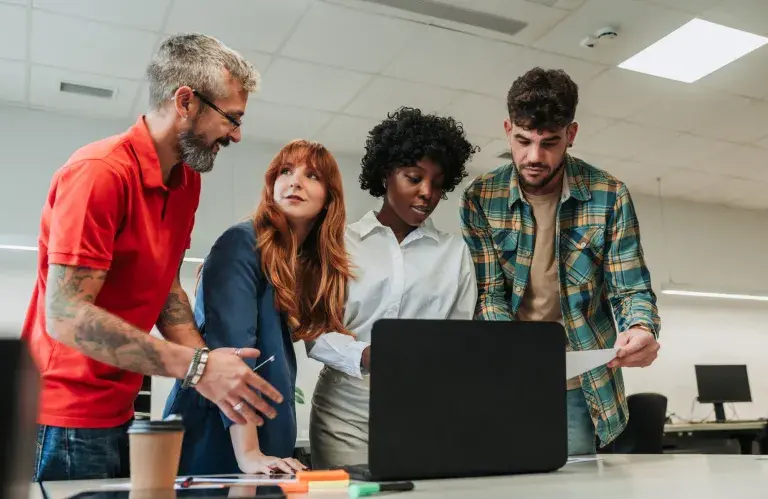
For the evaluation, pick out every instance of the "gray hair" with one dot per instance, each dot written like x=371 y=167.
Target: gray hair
x=199 y=61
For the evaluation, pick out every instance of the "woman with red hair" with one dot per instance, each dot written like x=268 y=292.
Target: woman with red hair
x=276 y=278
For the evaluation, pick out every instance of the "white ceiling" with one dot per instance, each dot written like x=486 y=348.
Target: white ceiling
x=333 y=68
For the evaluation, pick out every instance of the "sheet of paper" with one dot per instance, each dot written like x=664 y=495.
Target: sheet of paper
x=583 y=459
x=577 y=363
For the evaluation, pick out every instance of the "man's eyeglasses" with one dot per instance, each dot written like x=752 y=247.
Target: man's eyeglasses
x=235 y=122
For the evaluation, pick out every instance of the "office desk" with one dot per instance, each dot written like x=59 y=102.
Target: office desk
x=626 y=476
x=745 y=432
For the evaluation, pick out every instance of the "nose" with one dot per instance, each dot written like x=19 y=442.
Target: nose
x=236 y=135
x=426 y=191
x=534 y=154
x=296 y=182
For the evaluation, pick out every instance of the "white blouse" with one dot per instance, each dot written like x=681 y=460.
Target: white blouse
x=430 y=275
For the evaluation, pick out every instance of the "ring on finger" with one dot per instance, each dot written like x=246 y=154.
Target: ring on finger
x=238 y=407
x=239 y=352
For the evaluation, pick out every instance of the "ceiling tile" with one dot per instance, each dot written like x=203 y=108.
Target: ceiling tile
x=279 y=123
x=608 y=94
x=624 y=140
x=259 y=25
x=324 y=36
x=540 y=18
x=522 y=60
x=260 y=60
x=142 y=100
x=142 y=14
x=449 y=59
x=690 y=108
x=45 y=93
x=744 y=121
x=346 y=134
x=745 y=162
x=13 y=32
x=691 y=6
x=384 y=95
x=744 y=76
x=13 y=81
x=479 y=114
x=479 y=140
x=89 y=46
x=744 y=126
x=590 y=124
x=495 y=149
x=686 y=150
x=310 y=85
x=638 y=25
x=747 y=15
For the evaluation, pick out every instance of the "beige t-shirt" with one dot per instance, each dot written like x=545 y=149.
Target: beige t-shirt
x=541 y=301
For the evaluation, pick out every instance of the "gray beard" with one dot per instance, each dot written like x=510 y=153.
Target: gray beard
x=195 y=152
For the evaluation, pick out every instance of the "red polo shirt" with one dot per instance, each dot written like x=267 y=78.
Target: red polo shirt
x=107 y=208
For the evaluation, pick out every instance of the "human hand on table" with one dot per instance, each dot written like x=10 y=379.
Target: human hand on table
x=638 y=347
x=259 y=463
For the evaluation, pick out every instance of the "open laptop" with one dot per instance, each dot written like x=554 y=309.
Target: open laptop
x=456 y=399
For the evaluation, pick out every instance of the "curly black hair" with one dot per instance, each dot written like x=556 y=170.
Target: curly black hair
x=543 y=100
x=408 y=136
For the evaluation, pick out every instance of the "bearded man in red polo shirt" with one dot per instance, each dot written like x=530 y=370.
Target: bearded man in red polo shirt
x=114 y=229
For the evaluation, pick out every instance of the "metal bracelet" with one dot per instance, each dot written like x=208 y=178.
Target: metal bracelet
x=200 y=367
x=192 y=368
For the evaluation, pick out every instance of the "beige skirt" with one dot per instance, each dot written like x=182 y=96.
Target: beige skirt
x=338 y=424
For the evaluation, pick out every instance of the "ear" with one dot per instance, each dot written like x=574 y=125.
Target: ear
x=570 y=132
x=184 y=102
x=508 y=127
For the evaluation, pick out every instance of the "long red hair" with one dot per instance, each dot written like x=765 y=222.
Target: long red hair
x=310 y=287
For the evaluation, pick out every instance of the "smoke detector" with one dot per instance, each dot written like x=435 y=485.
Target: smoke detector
x=601 y=35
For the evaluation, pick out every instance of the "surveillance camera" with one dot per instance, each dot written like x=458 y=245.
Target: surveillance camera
x=606 y=32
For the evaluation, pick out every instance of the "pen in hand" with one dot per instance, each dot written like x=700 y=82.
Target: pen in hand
x=269 y=359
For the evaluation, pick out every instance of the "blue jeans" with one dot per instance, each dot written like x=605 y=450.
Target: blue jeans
x=81 y=453
x=581 y=431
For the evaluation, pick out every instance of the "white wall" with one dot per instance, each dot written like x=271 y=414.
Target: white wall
x=707 y=247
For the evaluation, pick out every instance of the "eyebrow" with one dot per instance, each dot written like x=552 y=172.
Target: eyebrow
x=553 y=138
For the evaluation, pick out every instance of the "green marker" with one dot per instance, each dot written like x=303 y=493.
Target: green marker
x=368 y=489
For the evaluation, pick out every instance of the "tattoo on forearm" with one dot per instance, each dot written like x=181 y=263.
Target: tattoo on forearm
x=69 y=285
x=100 y=334
x=70 y=307
x=177 y=311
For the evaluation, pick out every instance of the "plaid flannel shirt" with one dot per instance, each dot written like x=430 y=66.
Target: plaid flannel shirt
x=602 y=270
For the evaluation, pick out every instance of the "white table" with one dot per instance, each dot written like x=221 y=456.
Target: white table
x=624 y=476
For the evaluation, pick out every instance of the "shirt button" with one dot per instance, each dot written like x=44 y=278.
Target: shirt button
x=582 y=245
x=519 y=289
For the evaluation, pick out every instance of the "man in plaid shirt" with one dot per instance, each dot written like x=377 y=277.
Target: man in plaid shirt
x=556 y=239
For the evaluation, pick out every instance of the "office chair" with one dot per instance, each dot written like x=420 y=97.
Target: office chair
x=645 y=429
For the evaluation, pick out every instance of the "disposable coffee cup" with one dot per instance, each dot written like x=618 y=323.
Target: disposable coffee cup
x=155 y=448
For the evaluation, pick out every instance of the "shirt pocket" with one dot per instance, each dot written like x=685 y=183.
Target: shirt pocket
x=581 y=253
x=505 y=243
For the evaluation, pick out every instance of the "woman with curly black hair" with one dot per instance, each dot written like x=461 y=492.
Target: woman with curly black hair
x=404 y=267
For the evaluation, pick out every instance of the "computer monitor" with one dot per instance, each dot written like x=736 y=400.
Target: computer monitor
x=719 y=384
